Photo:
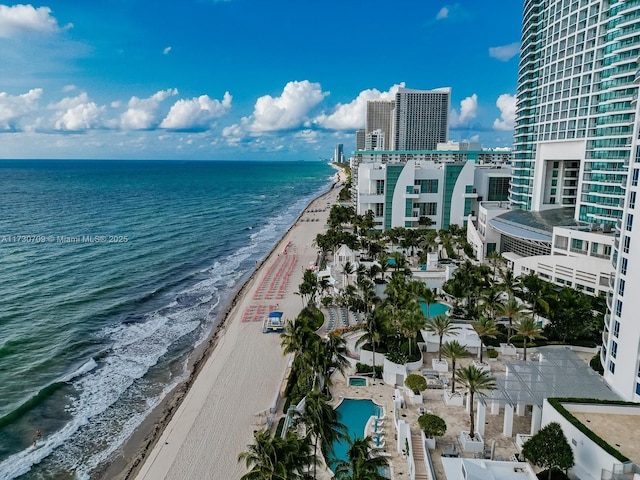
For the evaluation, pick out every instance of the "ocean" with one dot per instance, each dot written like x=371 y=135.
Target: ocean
x=111 y=273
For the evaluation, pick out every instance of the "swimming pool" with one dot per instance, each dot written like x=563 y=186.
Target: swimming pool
x=358 y=381
x=435 y=309
x=354 y=414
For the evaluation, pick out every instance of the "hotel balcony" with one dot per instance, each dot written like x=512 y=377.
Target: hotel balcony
x=605 y=337
x=370 y=198
x=415 y=193
x=612 y=281
x=636 y=80
x=609 y=300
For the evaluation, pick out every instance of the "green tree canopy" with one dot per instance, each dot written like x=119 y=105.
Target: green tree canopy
x=549 y=449
x=432 y=425
x=416 y=383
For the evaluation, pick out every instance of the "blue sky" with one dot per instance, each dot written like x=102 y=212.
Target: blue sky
x=243 y=79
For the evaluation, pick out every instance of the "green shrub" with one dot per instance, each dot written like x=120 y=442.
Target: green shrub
x=416 y=383
x=492 y=353
x=432 y=425
x=596 y=364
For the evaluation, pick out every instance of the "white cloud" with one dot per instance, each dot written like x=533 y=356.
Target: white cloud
x=351 y=116
x=166 y=50
x=19 y=19
x=14 y=107
x=505 y=52
x=76 y=113
x=142 y=113
x=308 y=136
x=507 y=105
x=233 y=134
x=196 y=113
x=289 y=110
x=68 y=88
x=468 y=111
x=443 y=13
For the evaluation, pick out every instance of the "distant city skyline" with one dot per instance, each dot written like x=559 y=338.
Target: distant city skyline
x=243 y=79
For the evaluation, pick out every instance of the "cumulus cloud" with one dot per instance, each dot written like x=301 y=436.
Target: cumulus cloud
x=468 y=111
x=505 y=52
x=233 y=134
x=166 y=50
x=196 y=112
x=14 y=107
x=353 y=115
x=289 y=110
x=142 y=113
x=507 y=105
x=442 y=13
x=76 y=113
x=68 y=88
x=22 y=19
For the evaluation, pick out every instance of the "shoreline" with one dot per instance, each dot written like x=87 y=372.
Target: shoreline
x=131 y=457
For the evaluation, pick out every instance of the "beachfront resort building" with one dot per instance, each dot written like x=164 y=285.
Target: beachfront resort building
x=576 y=151
x=436 y=188
x=576 y=144
x=360 y=138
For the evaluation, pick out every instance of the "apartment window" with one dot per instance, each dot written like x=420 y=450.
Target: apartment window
x=379 y=209
x=430 y=208
x=614 y=349
x=634 y=179
x=632 y=200
x=623 y=266
x=612 y=367
x=626 y=243
x=621 y=285
x=379 y=187
x=638 y=388
x=619 y=308
x=616 y=328
x=629 y=222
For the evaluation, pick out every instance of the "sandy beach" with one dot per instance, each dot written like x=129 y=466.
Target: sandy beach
x=241 y=375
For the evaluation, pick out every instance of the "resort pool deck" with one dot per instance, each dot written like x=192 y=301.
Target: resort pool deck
x=354 y=414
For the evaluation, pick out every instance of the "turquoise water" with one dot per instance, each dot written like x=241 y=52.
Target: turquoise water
x=435 y=309
x=357 y=382
x=112 y=272
x=354 y=414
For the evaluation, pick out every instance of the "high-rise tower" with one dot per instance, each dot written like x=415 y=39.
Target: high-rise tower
x=420 y=119
x=574 y=114
x=576 y=144
x=379 y=118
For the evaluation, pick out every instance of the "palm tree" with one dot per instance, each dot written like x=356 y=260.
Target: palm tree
x=529 y=329
x=277 y=458
x=454 y=350
x=512 y=309
x=374 y=327
x=476 y=382
x=361 y=464
x=485 y=328
x=441 y=325
x=347 y=270
x=297 y=336
x=428 y=297
x=335 y=347
x=494 y=257
x=321 y=422
x=412 y=322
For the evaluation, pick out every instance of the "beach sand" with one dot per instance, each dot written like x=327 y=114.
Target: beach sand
x=239 y=377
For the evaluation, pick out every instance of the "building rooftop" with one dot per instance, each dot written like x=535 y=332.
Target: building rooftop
x=558 y=373
x=620 y=431
x=473 y=469
x=537 y=226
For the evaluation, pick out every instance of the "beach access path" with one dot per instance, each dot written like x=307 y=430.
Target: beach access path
x=243 y=375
